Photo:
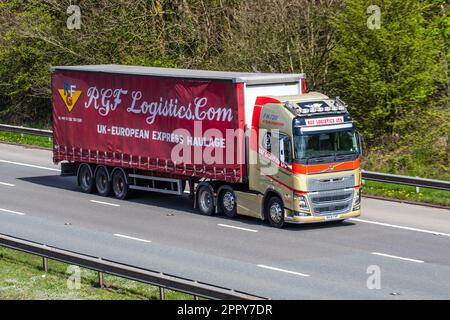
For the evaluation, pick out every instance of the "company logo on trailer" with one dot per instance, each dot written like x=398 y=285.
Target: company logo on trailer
x=69 y=95
x=107 y=100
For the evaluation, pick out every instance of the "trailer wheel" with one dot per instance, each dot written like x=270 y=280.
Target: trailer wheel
x=102 y=182
x=275 y=212
x=205 y=201
x=86 y=179
x=227 y=202
x=119 y=185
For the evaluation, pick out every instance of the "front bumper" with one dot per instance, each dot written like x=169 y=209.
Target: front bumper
x=322 y=218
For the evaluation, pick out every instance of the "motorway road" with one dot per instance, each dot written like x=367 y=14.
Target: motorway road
x=409 y=244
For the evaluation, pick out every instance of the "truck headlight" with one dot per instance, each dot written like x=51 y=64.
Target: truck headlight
x=302 y=202
x=357 y=199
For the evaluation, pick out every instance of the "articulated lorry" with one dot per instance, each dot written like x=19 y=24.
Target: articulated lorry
x=253 y=144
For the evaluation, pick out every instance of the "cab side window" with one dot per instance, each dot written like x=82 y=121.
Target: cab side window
x=279 y=145
x=285 y=154
x=267 y=141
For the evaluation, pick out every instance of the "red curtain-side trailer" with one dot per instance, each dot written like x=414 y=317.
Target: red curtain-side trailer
x=168 y=122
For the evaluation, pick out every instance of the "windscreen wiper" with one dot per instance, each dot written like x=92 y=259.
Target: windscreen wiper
x=319 y=158
x=325 y=156
x=344 y=156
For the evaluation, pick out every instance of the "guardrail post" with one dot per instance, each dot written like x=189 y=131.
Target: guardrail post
x=101 y=282
x=45 y=264
x=417 y=188
x=196 y=298
x=162 y=294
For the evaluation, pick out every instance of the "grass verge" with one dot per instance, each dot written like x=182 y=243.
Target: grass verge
x=397 y=191
x=22 y=278
x=26 y=139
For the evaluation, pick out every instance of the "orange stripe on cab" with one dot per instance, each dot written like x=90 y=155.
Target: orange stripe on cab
x=326 y=167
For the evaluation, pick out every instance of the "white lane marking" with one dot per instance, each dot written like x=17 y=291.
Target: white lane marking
x=29 y=165
x=233 y=227
x=132 y=238
x=397 y=257
x=10 y=211
x=401 y=227
x=105 y=203
x=282 y=270
x=7 y=184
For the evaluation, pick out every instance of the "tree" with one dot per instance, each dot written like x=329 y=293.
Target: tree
x=388 y=74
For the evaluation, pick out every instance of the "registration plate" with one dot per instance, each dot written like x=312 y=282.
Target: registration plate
x=332 y=217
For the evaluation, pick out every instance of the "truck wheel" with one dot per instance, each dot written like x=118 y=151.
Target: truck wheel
x=205 y=201
x=275 y=212
x=119 y=185
x=86 y=179
x=227 y=202
x=102 y=183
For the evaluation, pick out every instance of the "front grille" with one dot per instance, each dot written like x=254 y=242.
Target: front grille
x=331 y=183
x=331 y=202
x=330 y=209
x=330 y=198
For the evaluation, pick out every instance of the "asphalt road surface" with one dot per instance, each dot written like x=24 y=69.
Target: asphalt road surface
x=393 y=251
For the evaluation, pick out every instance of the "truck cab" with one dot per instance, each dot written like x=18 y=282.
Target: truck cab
x=305 y=159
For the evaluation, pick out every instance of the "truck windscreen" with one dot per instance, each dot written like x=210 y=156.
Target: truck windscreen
x=326 y=144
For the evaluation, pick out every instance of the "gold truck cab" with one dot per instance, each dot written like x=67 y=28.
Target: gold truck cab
x=307 y=156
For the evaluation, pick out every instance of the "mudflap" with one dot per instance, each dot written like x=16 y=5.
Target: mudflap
x=69 y=169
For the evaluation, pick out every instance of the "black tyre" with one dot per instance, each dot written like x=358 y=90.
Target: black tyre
x=275 y=212
x=205 y=201
x=119 y=185
x=86 y=179
x=102 y=182
x=227 y=202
